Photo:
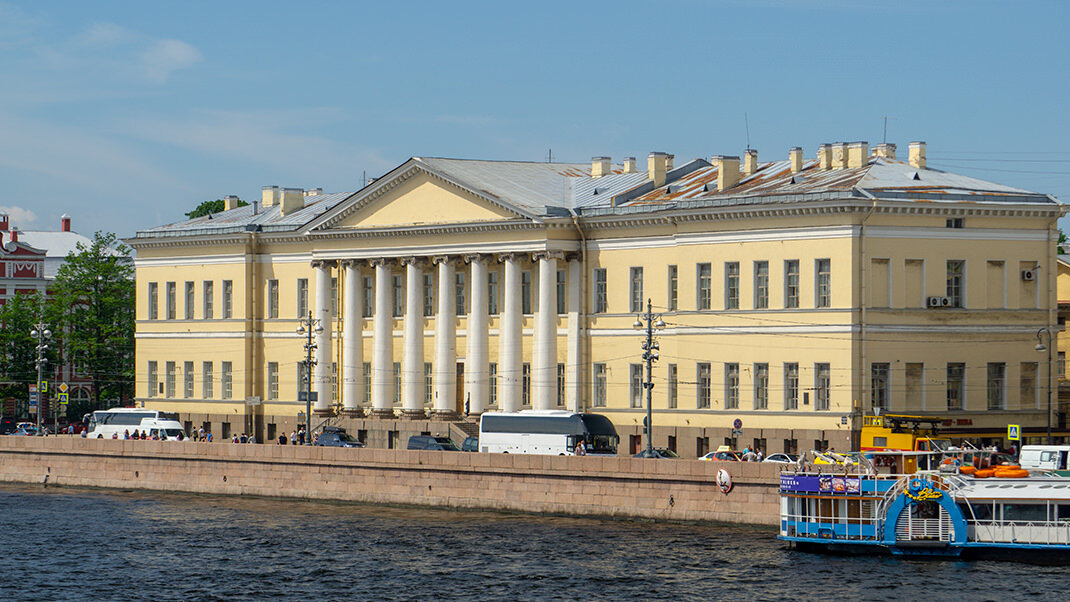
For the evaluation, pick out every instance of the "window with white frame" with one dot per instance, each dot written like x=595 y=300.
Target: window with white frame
x=273 y=299
x=460 y=288
x=600 y=292
x=674 y=287
x=171 y=300
x=956 y=273
x=598 y=385
x=704 y=278
x=273 y=380
x=154 y=301
x=731 y=386
x=635 y=281
x=761 y=284
x=761 y=386
x=703 y=382
x=207 y=378
x=562 y=291
x=560 y=384
x=997 y=386
x=823 y=282
x=672 y=387
x=879 y=385
x=731 y=285
x=635 y=388
x=525 y=384
x=956 y=385
x=226 y=380
x=822 y=386
x=302 y=297
x=154 y=380
x=208 y=290
x=791 y=283
x=492 y=292
x=187 y=379
x=169 y=380
x=397 y=295
x=190 y=292
x=368 y=290
x=429 y=294
x=228 y=299
x=791 y=386
x=525 y=292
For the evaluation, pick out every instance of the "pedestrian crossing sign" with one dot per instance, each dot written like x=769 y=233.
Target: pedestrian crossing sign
x=1014 y=432
x=62 y=398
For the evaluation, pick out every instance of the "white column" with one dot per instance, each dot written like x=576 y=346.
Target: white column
x=509 y=337
x=574 y=360
x=445 y=376
x=383 y=344
x=477 y=359
x=321 y=376
x=544 y=352
x=412 y=359
x=352 y=338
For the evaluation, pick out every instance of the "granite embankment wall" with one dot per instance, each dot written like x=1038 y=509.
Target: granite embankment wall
x=617 y=487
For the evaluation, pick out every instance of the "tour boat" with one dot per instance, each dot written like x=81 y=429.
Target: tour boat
x=950 y=503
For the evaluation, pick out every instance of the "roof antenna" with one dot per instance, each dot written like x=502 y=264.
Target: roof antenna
x=364 y=178
x=550 y=155
x=746 y=122
x=885 y=140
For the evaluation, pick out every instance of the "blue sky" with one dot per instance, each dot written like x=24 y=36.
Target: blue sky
x=127 y=114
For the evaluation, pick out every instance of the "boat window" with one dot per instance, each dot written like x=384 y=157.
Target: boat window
x=1064 y=512
x=982 y=512
x=1025 y=512
x=880 y=442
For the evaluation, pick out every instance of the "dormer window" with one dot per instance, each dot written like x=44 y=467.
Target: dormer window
x=956 y=222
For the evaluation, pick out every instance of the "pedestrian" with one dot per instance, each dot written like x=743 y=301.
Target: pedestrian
x=201 y=433
x=282 y=439
x=315 y=438
x=293 y=437
x=126 y=434
x=252 y=438
x=208 y=436
x=301 y=435
x=581 y=448
x=243 y=439
x=760 y=455
x=70 y=429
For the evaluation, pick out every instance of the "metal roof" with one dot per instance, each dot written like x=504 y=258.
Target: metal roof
x=268 y=219
x=527 y=185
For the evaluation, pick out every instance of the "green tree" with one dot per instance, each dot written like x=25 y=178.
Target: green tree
x=92 y=307
x=216 y=206
x=1061 y=249
x=18 y=349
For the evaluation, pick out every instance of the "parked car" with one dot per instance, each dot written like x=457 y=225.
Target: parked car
x=333 y=436
x=432 y=443
x=25 y=431
x=782 y=458
x=470 y=444
x=723 y=454
x=7 y=426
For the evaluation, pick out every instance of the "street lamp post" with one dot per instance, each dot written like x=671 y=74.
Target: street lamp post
x=41 y=333
x=309 y=327
x=1041 y=347
x=650 y=355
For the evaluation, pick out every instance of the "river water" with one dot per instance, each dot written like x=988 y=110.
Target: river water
x=64 y=544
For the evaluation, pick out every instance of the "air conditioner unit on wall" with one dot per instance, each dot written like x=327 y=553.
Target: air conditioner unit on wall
x=1029 y=275
x=935 y=302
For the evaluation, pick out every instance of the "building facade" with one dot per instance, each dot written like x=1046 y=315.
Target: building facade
x=796 y=295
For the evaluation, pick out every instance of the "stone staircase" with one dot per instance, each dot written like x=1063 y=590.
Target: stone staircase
x=463 y=429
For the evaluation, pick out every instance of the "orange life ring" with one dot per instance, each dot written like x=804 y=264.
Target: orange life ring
x=967 y=469
x=1007 y=467
x=984 y=473
x=1011 y=474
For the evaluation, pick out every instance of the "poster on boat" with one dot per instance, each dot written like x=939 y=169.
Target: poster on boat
x=819 y=484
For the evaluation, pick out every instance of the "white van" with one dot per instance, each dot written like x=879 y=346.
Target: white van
x=119 y=421
x=1044 y=457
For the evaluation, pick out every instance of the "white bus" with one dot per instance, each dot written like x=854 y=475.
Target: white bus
x=550 y=432
x=117 y=421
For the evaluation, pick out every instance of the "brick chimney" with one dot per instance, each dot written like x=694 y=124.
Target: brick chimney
x=750 y=162
x=824 y=156
x=629 y=165
x=885 y=150
x=230 y=202
x=857 y=154
x=65 y=223
x=795 y=157
x=292 y=199
x=601 y=166
x=269 y=196
x=727 y=171
x=839 y=155
x=917 y=155
x=3 y=222
x=14 y=235
x=656 y=167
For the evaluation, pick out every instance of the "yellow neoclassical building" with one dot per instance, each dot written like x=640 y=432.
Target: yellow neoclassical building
x=797 y=295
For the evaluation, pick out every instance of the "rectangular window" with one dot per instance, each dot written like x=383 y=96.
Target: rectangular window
x=208 y=288
x=914 y=391
x=791 y=283
x=672 y=384
x=823 y=283
x=334 y=297
x=460 y=287
x=822 y=386
x=956 y=273
x=702 y=380
x=273 y=380
x=397 y=383
x=525 y=292
x=228 y=299
x=1027 y=385
x=704 y=279
x=525 y=384
x=206 y=380
x=731 y=386
x=171 y=300
x=635 y=280
x=997 y=386
x=791 y=386
x=560 y=384
x=600 y=290
x=492 y=375
x=169 y=382
x=429 y=294
x=429 y=386
x=302 y=297
x=1060 y=361
x=334 y=381
x=598 y=386
x=761 y=284
x=366 y=372
x=635 y=388
x=187 y=379
x=956 y=383
x=397 y=295
x=273 y=299
x=189 y=300
x=226 y=381
x=368 y=288
x=154 y=380
x=731 y=285
x=562 y=290
x=154 y=301
x=674 y=285
x=492 y=293
x=761 y=386
x=879 y=385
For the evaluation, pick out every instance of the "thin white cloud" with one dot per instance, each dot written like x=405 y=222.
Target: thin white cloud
x=20 y=216
x=105 y=34
x=164 y=57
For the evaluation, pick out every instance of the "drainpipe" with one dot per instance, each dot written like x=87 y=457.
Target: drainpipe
x=863 y=303
x=585 y=341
